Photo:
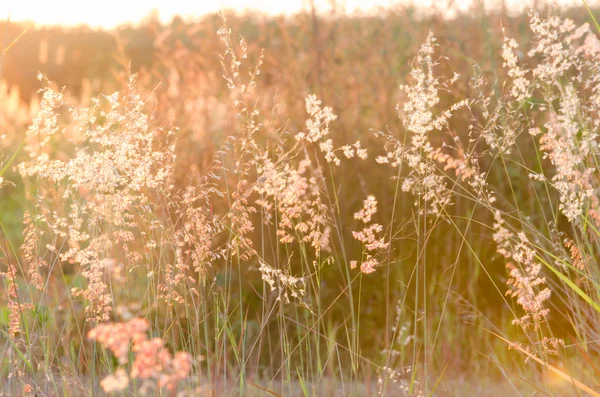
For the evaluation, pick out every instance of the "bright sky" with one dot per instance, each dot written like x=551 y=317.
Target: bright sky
x=108 y=13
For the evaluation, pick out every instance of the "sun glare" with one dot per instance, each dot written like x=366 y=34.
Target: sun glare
x=110 y=13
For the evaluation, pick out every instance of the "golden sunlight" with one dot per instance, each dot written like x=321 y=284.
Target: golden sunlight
x=110 y=13
x=383 y=198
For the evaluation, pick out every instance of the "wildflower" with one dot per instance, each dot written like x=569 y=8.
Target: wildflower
x=116 y=336
x=115 y=383
x=152 y=361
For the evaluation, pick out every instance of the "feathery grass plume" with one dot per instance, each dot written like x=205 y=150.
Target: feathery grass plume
x=16 y=306
x=520 y=83
x=399 y=378
x=108 y=182
x=246 y=148
x=368 y=236
x=568 y=139
x=417 y=115
x=318 y=128
x=286 y=285
x=301 y=213
x=526 y=279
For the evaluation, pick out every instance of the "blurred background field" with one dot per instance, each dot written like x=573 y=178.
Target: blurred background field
x=355 y=64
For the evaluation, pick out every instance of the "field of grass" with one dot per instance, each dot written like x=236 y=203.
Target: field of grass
x=315 y=205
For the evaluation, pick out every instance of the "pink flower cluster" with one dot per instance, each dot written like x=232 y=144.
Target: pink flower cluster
x=152 y=361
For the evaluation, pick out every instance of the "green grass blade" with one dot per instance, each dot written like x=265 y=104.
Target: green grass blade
x=571 y=285
x=591 y=15
x=12 y=158
x=438 y=381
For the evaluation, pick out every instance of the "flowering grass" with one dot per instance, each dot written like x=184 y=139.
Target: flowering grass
x=300 y=259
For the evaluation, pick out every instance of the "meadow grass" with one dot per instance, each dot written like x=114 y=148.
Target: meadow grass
x=291 y=222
